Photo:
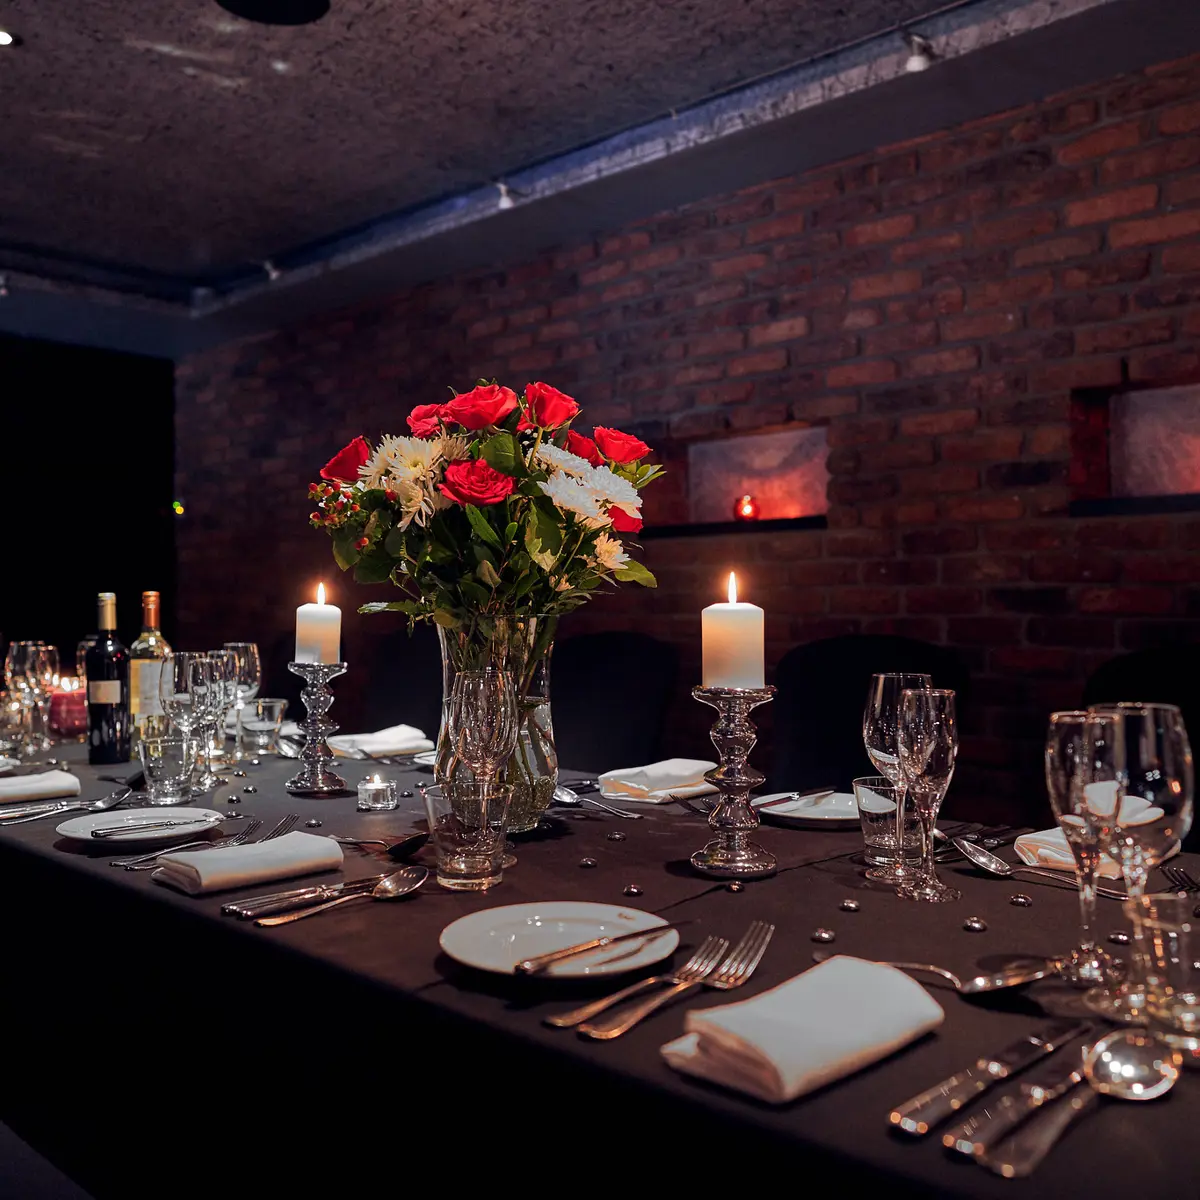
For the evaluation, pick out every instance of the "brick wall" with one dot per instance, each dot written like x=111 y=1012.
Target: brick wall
x=935 y=303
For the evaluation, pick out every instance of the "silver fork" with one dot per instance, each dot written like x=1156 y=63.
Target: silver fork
x=732 y=973
x=285 y=825
x=1180 y=879
x=134 y=864
x=702 y=962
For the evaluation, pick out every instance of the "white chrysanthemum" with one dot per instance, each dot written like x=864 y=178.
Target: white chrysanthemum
x=610 y=488
x=609 y=554
x=573 y=496
x=550 y=455
x=397 y=459
x=418 y=500
x=452 y=447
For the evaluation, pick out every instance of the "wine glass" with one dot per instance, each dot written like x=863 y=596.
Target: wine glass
x=15 y=666
x=186 y=690
x=1138 y=785
x=928 y=748
x=41 y=675
x=249 y=680
x=1065 y=757
x=881 y=732
x=225 y=680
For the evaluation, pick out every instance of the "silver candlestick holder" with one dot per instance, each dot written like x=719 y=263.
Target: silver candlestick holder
x=314 y=777
x=731 y=854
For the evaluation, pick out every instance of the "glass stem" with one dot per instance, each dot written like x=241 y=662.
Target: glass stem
x=927 y=816
x=1136 y=876
x=901 y=792
x=1086 y=862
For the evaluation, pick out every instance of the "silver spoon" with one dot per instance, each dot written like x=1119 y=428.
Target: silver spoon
x=392 y=887
x=570 y=799
x=997 y=866
x=35 y=812
x=994 y=981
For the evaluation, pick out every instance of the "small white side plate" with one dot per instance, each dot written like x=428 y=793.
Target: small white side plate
x=80 y=828
x=496 y=939
x=838 y=810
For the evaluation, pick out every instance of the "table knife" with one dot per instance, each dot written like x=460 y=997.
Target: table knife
x=265 y=906
x=933 y=1106
x=999 y=1117
x=1021 y=1153
x=791 y=798
x=531 y=966
x=112 y=831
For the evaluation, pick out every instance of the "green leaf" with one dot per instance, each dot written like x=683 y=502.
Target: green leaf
x=549 y=531
x=345 y=553
x=481 y=525
x=413 y=608
x=394 y=542
x=373 y=567
x=501 y=453
x=473 y=591
x=537 y=550
x=634 y=572
x=487 y=573
x=447 y=620
x=510 y=532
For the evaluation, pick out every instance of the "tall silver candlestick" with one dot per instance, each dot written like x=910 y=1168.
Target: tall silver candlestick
x=314 y=777
x=731 y=854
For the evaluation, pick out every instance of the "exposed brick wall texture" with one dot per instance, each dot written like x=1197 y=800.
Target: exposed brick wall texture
x=934 y=303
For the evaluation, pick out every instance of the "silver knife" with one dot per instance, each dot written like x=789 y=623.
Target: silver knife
x=261 y=906
x=933 y=1106
x=1022 y=1152
x=116 y=831
x=1000 y=1116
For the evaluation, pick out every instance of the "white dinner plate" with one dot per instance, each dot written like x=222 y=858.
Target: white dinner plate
x=425 y=758
x=496 y=939
x=837 y=811
x=80 y=828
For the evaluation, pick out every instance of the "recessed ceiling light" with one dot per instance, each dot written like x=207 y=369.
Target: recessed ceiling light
x=277 y=12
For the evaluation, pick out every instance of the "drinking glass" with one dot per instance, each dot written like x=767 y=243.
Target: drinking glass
x=41 y=675
x=168 y=764
x=225 y=676
x=928 y=748
x=1066 y=755
x=1137 y=786
x=247 y=683
x=881 y=733
x=467 y=831
x=877 y=798
x=191 y=698
x=24 y=667
x=1172 y=972
x=259 y=723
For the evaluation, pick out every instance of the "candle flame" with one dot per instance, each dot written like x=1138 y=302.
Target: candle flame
x=732 y=588
x=376 y=779
x=320 y=593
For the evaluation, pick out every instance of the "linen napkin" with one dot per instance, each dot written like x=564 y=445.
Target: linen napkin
x=1050 y=848
x=200 y=871
x=656 y=782
x=47 y=785
x=397 y=739
x=828 y=1022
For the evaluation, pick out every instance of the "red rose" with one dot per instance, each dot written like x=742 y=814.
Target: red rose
x=343 y=466
x=550 y=407
x=620 y=447
x=584 y=447
x=486 y=405
x=473 y=481
x=425 y=420
x=622 y=522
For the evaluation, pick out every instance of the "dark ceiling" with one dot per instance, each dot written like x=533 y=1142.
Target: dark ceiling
x=176 y=139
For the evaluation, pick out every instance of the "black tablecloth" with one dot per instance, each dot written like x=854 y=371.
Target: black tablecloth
x=145 y=1029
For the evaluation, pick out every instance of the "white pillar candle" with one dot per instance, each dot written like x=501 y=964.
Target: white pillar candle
x=318 y=631
x=732 y=637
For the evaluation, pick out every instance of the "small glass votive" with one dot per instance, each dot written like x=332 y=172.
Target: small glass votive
x=467 y=827
x=377 y=795
x=168 y=764
x=258 y=725
x=876 y=797
x=1172 y=973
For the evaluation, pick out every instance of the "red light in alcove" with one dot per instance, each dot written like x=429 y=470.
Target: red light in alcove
x=745 y=508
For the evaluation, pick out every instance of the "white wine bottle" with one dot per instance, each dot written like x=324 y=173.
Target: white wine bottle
x=146 y=655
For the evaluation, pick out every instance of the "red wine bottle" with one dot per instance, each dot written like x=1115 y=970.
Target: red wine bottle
x=108 y=689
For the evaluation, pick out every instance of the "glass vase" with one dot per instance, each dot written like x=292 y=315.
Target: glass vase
x=522 y=646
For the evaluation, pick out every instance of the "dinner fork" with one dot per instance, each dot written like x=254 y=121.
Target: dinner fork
x=703 y=962
x=732 y=973
x=134 y=864
x=1180 y=879
x=147 y=861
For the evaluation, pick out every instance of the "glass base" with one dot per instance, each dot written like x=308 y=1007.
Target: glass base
x=747 y=860
x=1125 y=1002
x=1089 y=966
x=155 y=799
x=456 y=883
x=893 y=872
x=206 y=782
x=928 y=891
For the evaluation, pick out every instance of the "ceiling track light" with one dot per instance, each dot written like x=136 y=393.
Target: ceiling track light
x=273 y=272
x=506 y=199
x=920 y=52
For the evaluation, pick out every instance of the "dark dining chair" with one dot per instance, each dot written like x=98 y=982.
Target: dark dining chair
x=821 y=689
x=404 y=681
x=609 y=695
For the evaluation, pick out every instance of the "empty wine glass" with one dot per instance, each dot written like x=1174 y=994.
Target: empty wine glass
x=188 y=698
x=1066 y=755
x=881 y=733
x=41 y=674
x=1138 y=785
x=928 y=748
x=226 y=666
x=248 y=681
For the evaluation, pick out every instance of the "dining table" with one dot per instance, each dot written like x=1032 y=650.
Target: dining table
x=157 y=1046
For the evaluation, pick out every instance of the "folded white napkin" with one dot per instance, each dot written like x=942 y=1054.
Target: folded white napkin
x=49 y=785
x=398 y=739
x=1050 y=848
x=197 y=871
x=826 y=1023
x=656 y=782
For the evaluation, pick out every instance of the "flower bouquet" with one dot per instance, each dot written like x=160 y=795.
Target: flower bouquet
x=493 y=519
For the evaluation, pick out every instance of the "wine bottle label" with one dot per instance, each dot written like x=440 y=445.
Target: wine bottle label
x=104 y=691
x=144 y=675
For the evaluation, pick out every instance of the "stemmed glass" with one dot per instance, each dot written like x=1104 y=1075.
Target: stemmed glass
x=1066 y=755
x=928 y=748
x=189 y=698
x=247 y=683
x=1137 y=787
x=30 y=669
x=41 y=674
x=226 y=666
x=881 y=736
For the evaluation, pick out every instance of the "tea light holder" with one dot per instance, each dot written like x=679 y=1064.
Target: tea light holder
x=377 y=795
x=732 y=853
x=314 y=777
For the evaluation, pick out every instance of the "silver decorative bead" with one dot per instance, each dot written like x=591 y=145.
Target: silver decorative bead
x=615 y=837
x=849 y=906
x=239 y=774
x=975 y=925
x=249 y=789
x=1020 y=900
x=587 y=862
x=233 y=799
x=735 y=886
x=312 y=824
x=256 y=762
x=1119 y=937
x=406 y=795
x=822 y=935
x=632 y=889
